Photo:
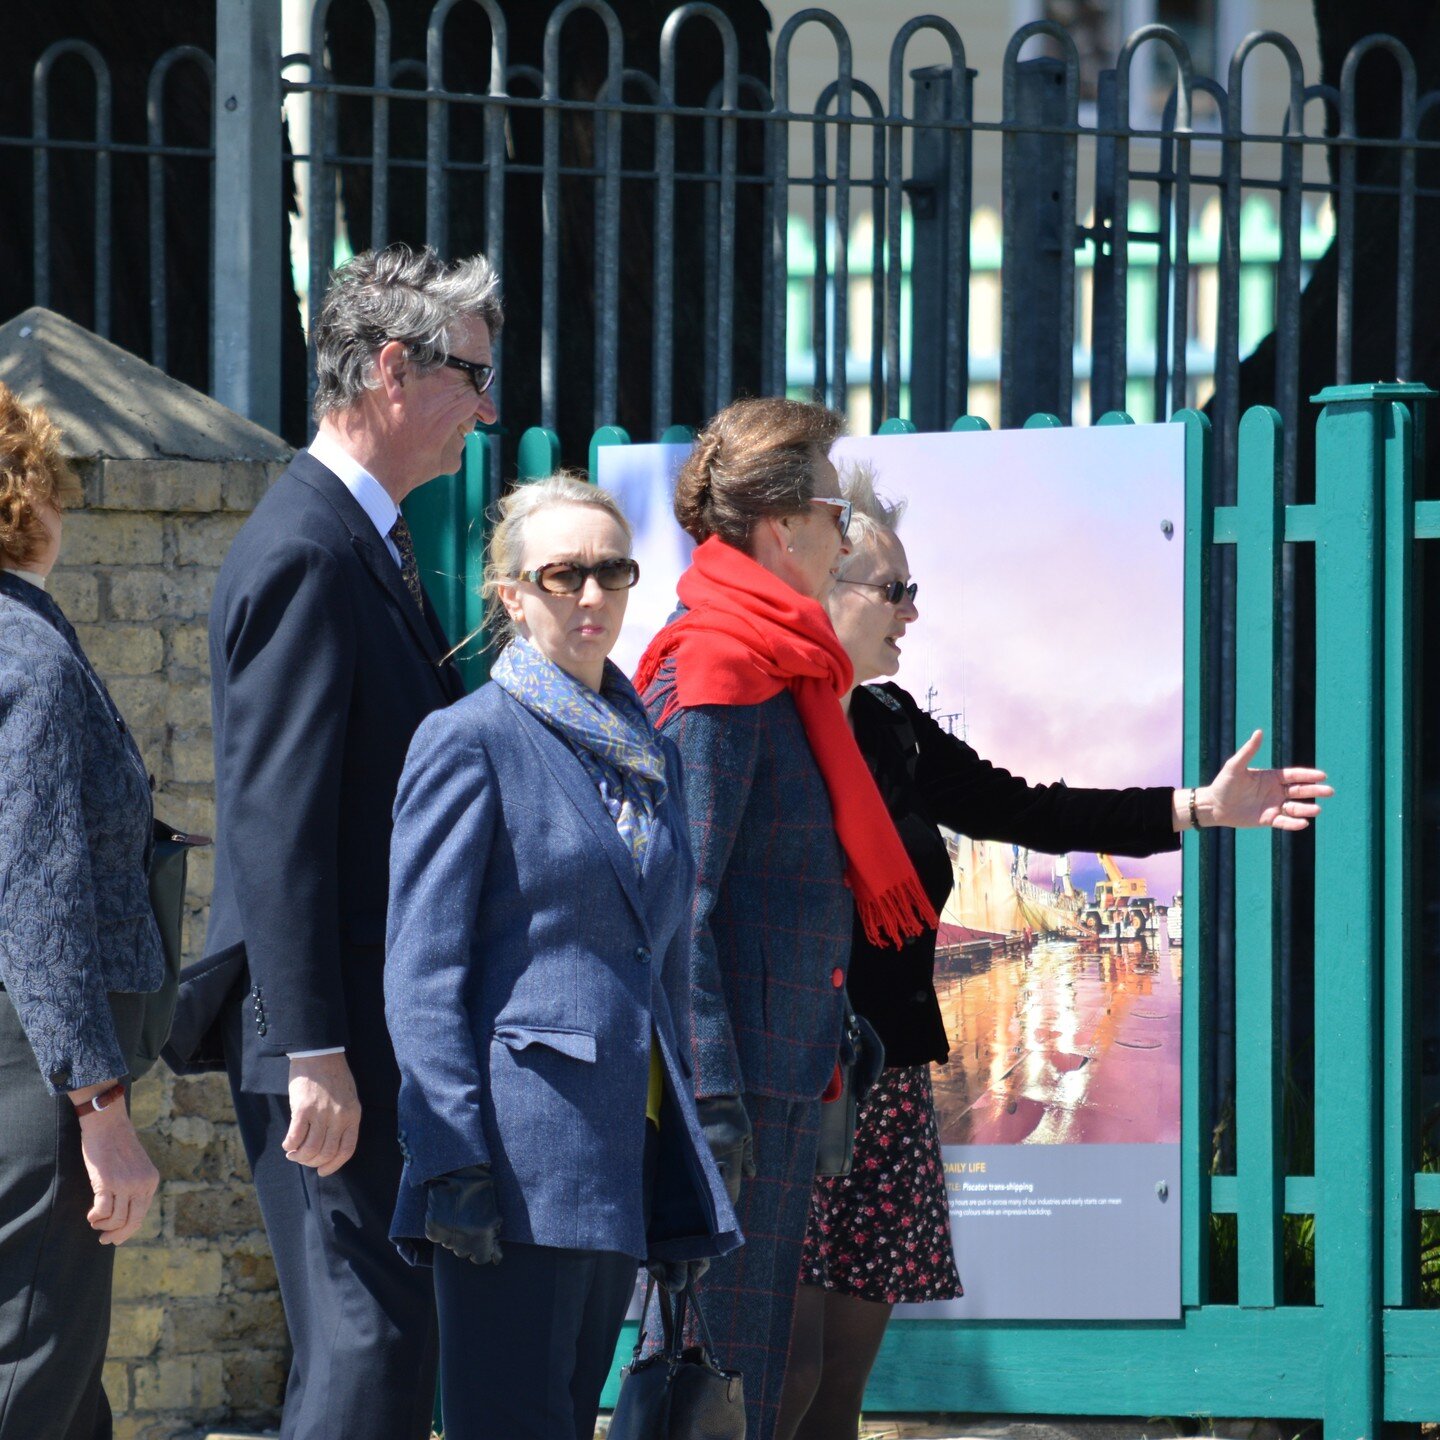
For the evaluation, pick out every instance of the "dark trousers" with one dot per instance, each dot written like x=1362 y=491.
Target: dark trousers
x=361 y=1320
x=527 y=1344
x=54 y=1272
x=749 y=1295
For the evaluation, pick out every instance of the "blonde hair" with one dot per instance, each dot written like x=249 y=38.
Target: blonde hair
x=871 y=514
x=506 y=551
x=34 y=475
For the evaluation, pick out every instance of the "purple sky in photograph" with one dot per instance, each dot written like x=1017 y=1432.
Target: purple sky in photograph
x=1051 y=601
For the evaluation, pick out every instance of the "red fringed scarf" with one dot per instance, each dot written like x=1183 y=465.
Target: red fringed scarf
x=744 y=638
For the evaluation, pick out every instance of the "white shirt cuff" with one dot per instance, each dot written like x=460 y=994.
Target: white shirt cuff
x=310 y=1054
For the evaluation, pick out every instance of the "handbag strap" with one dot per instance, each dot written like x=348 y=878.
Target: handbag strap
x=688 y=1296
x=672 y=1323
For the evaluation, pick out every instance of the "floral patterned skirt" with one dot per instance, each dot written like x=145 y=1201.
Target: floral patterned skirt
x=882 y=1232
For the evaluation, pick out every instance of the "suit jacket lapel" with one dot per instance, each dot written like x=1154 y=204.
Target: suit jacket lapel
x=382 y=567
x=560 y=760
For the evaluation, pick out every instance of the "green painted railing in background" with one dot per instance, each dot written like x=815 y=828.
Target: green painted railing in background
x=447 y=518
x=1365 y=1352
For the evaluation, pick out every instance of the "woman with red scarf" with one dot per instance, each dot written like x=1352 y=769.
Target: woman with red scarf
x=791 y=839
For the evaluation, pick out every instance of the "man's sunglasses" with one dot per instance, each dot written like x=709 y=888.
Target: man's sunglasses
x=894 y=591
x=564 y=577
x=482 y=377
x=842 y=509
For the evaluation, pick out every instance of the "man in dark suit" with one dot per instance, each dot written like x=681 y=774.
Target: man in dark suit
x=325 y=656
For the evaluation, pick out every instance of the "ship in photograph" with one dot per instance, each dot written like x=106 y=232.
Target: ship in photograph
x=1062 y=1006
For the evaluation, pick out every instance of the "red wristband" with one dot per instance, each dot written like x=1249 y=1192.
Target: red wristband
x=103 y=1101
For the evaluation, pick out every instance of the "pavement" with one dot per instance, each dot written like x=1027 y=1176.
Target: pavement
x=978 y=1427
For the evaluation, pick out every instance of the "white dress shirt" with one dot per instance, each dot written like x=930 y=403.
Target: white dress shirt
x=375 y=501
x=370 y=495
x=38 y=581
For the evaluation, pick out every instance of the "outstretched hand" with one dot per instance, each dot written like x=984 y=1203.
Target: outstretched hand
x=1283 y=799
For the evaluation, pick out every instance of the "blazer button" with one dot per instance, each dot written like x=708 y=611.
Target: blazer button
x=837 y=977
x=262 y=1027
x=642 y=954
x=60 y=1079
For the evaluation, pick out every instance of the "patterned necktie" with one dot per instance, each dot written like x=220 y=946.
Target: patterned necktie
x=409 y=570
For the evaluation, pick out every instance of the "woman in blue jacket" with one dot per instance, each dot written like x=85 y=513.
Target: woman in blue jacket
x=538 y=993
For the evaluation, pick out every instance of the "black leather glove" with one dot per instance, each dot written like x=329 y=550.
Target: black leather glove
x=869 y=1059
x=675 y=1275
x=461 y=1214
x=727 y=1132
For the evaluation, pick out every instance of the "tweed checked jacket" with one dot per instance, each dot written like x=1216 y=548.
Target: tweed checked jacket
x=75 y=823
x=770 y=927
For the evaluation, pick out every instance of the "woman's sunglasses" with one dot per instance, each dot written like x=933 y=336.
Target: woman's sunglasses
x=894 y=591
x=564 y=577
x=839 y=508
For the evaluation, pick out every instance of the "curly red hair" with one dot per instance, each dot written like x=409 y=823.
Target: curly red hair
x=33 y=475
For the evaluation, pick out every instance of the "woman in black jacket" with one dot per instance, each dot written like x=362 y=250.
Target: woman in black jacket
x=881 y=1235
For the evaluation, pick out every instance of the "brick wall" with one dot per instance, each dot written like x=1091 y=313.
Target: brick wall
x=198 y=1335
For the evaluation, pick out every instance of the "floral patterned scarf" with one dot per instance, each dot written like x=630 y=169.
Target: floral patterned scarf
x=609 y=732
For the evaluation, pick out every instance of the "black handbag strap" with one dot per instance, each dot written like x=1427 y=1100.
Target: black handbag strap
x=672 y=1324
x=673 y=1314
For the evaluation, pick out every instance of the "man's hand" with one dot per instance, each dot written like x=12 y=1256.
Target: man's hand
x=121 y=1175
x=324 y=1113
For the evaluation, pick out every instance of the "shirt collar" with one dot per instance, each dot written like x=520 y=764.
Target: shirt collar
x=38 y=581
x=369 y=493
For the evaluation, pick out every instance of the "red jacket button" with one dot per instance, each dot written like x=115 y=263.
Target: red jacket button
x=837 y=977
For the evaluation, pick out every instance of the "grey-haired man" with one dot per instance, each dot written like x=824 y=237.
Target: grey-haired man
x=325 y=657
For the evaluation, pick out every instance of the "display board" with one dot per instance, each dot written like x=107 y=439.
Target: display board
x=1051 y=573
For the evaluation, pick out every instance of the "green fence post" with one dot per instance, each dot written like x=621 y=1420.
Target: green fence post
x=1198 y=993
x=605 y=435
x=1042 y=420
x=897 y=425
x=1116 y=417
x=1403 y=445
x=538 y=454
x=1349 y=497
x=1260 y=1182
x=679 y=435
x=968 y=423
x=447 y=520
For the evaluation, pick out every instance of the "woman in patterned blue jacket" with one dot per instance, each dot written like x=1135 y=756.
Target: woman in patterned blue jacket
x=78 y=948
x=792 y=841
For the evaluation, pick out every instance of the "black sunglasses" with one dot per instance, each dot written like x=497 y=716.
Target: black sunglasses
x=894 y=591
x=482 y=377
x=565 y=577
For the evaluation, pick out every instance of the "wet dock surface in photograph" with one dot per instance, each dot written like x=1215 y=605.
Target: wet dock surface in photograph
x=1061 y=1044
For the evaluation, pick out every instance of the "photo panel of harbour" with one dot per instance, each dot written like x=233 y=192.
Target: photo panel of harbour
x=1050 y=638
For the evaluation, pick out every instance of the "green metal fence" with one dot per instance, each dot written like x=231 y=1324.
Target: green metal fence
x=1366 y=1350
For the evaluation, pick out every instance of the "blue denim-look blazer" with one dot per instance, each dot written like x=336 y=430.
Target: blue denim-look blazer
x=75 y=834
x=527 y=968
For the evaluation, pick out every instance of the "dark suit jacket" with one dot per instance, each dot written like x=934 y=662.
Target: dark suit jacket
x=322 y=669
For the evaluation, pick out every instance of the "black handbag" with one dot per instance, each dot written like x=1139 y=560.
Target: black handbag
x=862 y=1058
x=169 y=852
x=679 y=1392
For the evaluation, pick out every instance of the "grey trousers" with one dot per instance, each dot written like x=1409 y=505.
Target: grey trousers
x=54 y=1272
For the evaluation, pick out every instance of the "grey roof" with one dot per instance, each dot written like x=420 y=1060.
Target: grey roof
x=108 y=402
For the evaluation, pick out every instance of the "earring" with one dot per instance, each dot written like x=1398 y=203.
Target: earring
x=790 y=548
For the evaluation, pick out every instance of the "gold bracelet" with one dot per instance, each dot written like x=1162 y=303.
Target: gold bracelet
x=1194 y=811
